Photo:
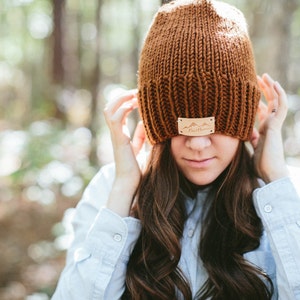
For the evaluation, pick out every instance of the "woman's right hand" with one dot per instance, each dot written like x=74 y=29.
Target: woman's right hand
x=128 y=172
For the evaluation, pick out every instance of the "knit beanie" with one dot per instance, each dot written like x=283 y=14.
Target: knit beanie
x=197 y=73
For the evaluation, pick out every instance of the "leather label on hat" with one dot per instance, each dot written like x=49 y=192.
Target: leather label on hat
x=196 y=126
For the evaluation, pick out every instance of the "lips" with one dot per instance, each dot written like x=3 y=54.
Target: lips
x=198 y=160
x=199 y=163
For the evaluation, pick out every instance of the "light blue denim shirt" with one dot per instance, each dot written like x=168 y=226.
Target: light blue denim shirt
x=103 y=241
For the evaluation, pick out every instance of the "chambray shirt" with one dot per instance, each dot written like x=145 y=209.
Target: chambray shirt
x=103 y=241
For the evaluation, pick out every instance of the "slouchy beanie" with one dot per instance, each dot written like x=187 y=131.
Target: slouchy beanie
x=197 y=73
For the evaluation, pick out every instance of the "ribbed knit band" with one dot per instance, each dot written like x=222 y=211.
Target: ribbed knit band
x=197 y=61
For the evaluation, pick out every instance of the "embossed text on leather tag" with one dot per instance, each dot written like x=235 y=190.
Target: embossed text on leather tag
x=196 y=126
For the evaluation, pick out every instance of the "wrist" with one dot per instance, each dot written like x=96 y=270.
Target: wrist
x=276 y=175
x=121 y=197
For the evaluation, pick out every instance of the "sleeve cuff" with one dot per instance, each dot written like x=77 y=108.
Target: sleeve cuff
x=112 y=234
x=277 y=203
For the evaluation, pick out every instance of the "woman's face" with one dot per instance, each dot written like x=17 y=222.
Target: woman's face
x=203 y=158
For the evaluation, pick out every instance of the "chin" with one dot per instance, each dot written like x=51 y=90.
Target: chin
x=202 y=181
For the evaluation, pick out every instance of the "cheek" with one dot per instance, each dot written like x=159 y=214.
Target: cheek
x=177 y=143
x=231 y=151
x=226 y=147
x=229 y=155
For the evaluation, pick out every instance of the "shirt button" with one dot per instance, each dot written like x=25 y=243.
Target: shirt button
x=190 y=233
x=118 y=237
x=268 y=208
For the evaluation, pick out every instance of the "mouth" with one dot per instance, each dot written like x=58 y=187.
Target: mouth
x=199 y=163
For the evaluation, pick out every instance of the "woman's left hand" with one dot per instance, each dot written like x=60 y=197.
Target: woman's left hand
x=267 y=140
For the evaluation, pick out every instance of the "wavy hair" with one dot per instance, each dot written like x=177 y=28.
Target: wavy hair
x=230 y=228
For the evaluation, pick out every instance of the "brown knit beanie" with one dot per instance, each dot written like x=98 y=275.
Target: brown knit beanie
x=197 y=63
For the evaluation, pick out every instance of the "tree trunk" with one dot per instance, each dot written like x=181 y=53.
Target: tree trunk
x=270 y=24
x=96 y=78
x=58 y=37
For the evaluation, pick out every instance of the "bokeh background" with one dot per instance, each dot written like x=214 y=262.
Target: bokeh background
x=60 y=61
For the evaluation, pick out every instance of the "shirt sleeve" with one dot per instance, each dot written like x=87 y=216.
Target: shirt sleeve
x=278 y=206
x=103 y=241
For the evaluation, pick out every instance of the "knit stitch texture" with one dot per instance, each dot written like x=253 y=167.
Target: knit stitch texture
x=196 y=62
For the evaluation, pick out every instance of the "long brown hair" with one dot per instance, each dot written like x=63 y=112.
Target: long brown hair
x=230 y=228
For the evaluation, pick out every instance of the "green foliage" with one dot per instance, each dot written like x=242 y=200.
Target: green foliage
x=47 y=129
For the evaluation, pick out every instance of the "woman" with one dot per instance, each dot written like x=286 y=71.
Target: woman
x=203 y=217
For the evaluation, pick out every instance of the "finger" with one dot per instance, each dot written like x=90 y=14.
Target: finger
x=122 y=111
x=118 y=112
x=254 y=138
x=262 y=111
x=263 y=83
x=282 y=101
x=267 y=85
x=139 y=137
x=114 y=104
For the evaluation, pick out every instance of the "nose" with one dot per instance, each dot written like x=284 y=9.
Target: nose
x=198 y=143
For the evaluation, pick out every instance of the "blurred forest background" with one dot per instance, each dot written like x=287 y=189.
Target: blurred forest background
x=60 y=61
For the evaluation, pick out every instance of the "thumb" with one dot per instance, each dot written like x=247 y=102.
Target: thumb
x=139 y=137
x=254 y=138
